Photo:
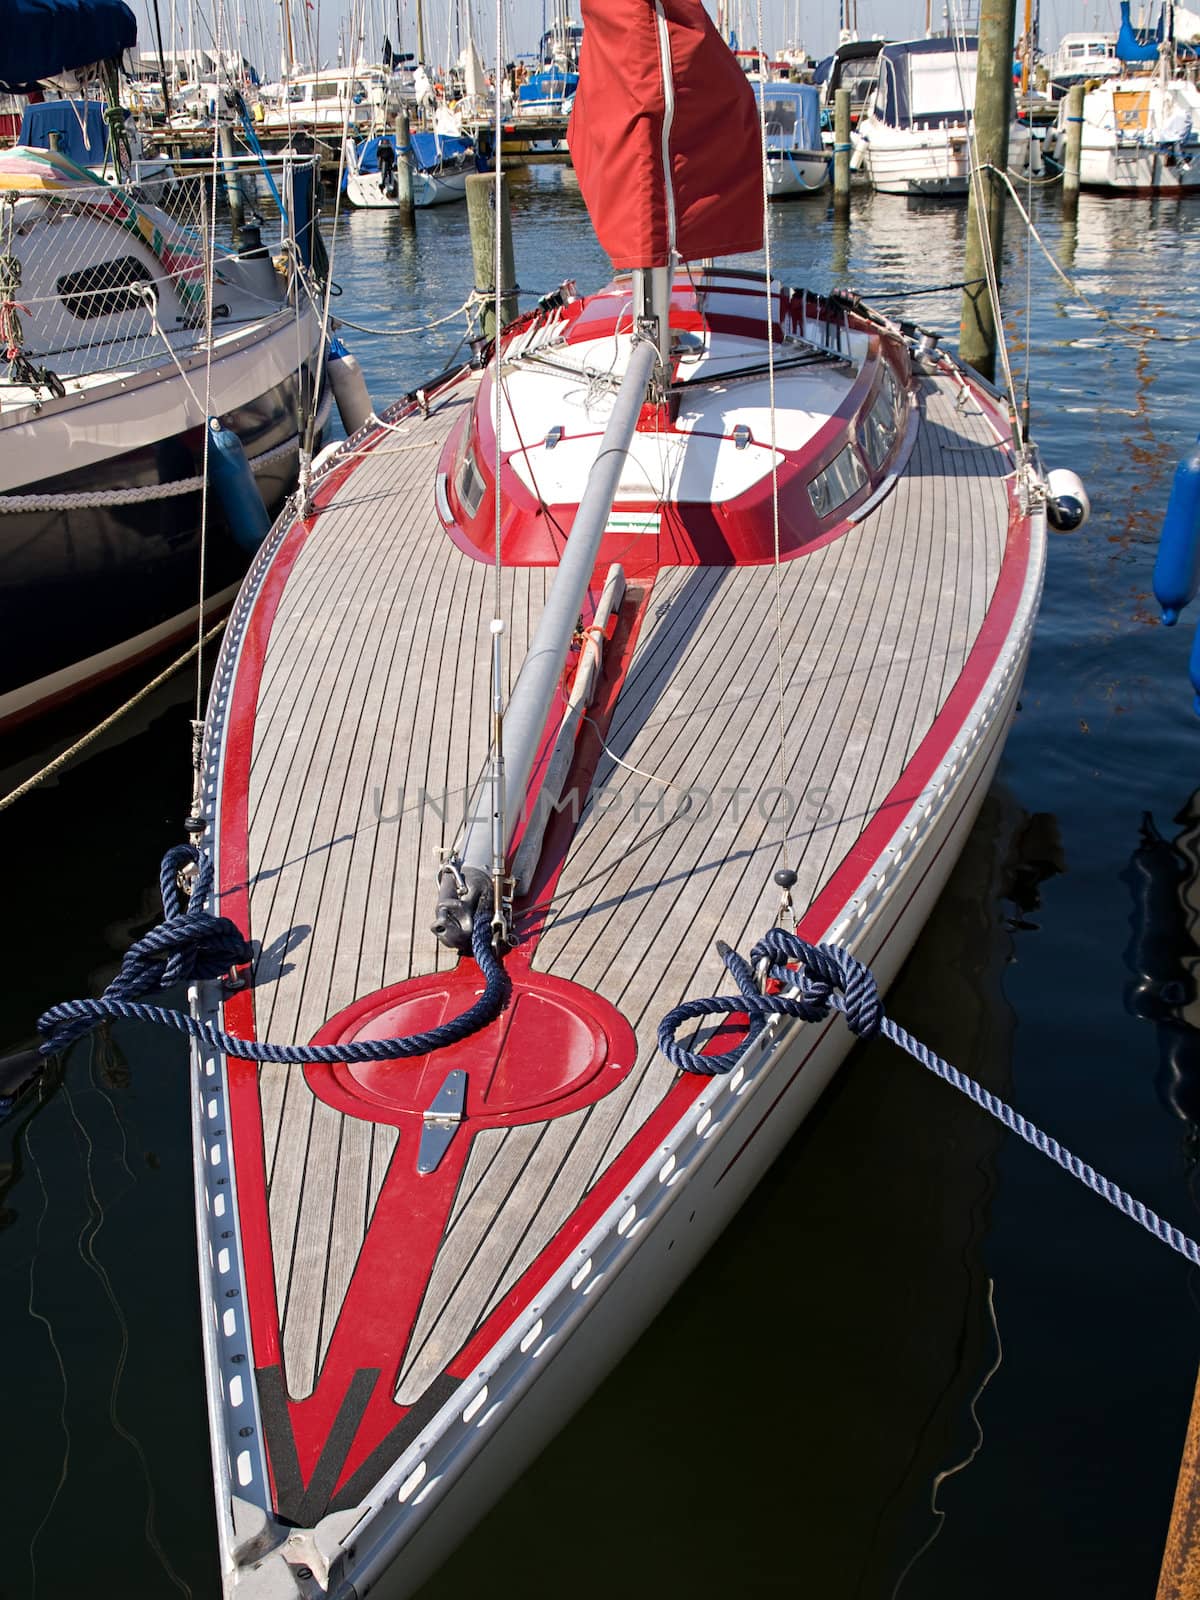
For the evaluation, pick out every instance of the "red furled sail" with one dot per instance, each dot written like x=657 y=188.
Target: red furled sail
x=664 y=135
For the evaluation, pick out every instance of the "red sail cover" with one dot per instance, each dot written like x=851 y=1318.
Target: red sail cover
x=710 y=201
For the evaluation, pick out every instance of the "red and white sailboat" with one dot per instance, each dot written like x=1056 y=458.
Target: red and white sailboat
x=698 y=580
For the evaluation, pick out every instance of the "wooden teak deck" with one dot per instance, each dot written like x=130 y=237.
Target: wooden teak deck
x=748 y=718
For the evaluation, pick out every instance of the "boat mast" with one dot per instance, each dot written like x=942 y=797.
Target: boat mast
x=1027 y=50
x=1166 y=51
x=420 y=33
x=288 y=50
x=537 y=685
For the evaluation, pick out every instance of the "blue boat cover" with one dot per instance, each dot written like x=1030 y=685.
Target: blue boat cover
x=549 y=85
x=1129 y=46
x=41 y=38
x=429 y=150
x=792 y=114
x=80 y=125
x=368 y=153
x=893 y=100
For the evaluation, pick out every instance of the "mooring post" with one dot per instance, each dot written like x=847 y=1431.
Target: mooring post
x=481 y=217
x=841 y=147
x=233 y=181
x=1179 y=1576
x=1074 y=144
x=993 y=112
x=404 y=166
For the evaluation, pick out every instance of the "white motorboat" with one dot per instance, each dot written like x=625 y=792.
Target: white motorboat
x=913 y=136
x=1081 y=58
x=1141 y=128
x=797 y=162
x=333 y=102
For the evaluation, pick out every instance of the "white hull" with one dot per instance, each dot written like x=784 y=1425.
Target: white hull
x=364 y=191
x=1134 y=169
x=438 y=189
x=796 y=172
x=934 y=161
x=115 y=413
x=1139 y=136
x=534 y=1398
x=428 y=189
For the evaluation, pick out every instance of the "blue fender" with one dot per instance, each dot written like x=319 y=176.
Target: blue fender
x=1194 y=671
x=233 y=483
x=1177 y=569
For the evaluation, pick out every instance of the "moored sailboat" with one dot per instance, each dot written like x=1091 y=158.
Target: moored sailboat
x=439 y=166
x=694 y=606
x=125 y=343
x=1141 y=125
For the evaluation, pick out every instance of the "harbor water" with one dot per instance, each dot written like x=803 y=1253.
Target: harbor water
x=922 y=1362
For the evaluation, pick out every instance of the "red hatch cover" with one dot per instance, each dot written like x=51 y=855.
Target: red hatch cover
x=557 y=1047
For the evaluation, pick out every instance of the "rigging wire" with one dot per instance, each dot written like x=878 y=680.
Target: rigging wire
x=1028 y=293
x=309 y=427
x=781 y=676
x=499 y=798
x=209 y=229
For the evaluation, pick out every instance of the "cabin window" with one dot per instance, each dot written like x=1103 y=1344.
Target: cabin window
x=106 y=289
x=879 y=429
x=843 y=477
x=470 y=485
x=780 y=117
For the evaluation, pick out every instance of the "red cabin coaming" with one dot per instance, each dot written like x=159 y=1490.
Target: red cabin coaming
x=738 y=531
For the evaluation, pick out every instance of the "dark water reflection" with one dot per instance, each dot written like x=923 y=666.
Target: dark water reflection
x=921 y=1363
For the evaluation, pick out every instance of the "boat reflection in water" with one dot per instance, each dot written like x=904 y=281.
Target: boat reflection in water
x=1163 y=956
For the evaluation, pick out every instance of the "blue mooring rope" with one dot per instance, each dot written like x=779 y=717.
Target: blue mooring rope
x=192 y=945
x=828 y=977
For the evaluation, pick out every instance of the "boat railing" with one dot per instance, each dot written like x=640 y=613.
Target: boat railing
x=86 y=308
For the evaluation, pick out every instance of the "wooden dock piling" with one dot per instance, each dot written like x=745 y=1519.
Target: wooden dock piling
x=1074 y=143
x=233 y=178
x=1179 y=1576
x=481 y=218
x=404 y=167
x=993 y=112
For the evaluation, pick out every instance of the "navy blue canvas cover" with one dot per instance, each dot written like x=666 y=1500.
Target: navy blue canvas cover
x=41 y=38
x=893 y=99
x=80 y=125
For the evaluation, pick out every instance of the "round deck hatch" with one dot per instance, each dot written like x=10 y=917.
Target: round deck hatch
x=556 y=1048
